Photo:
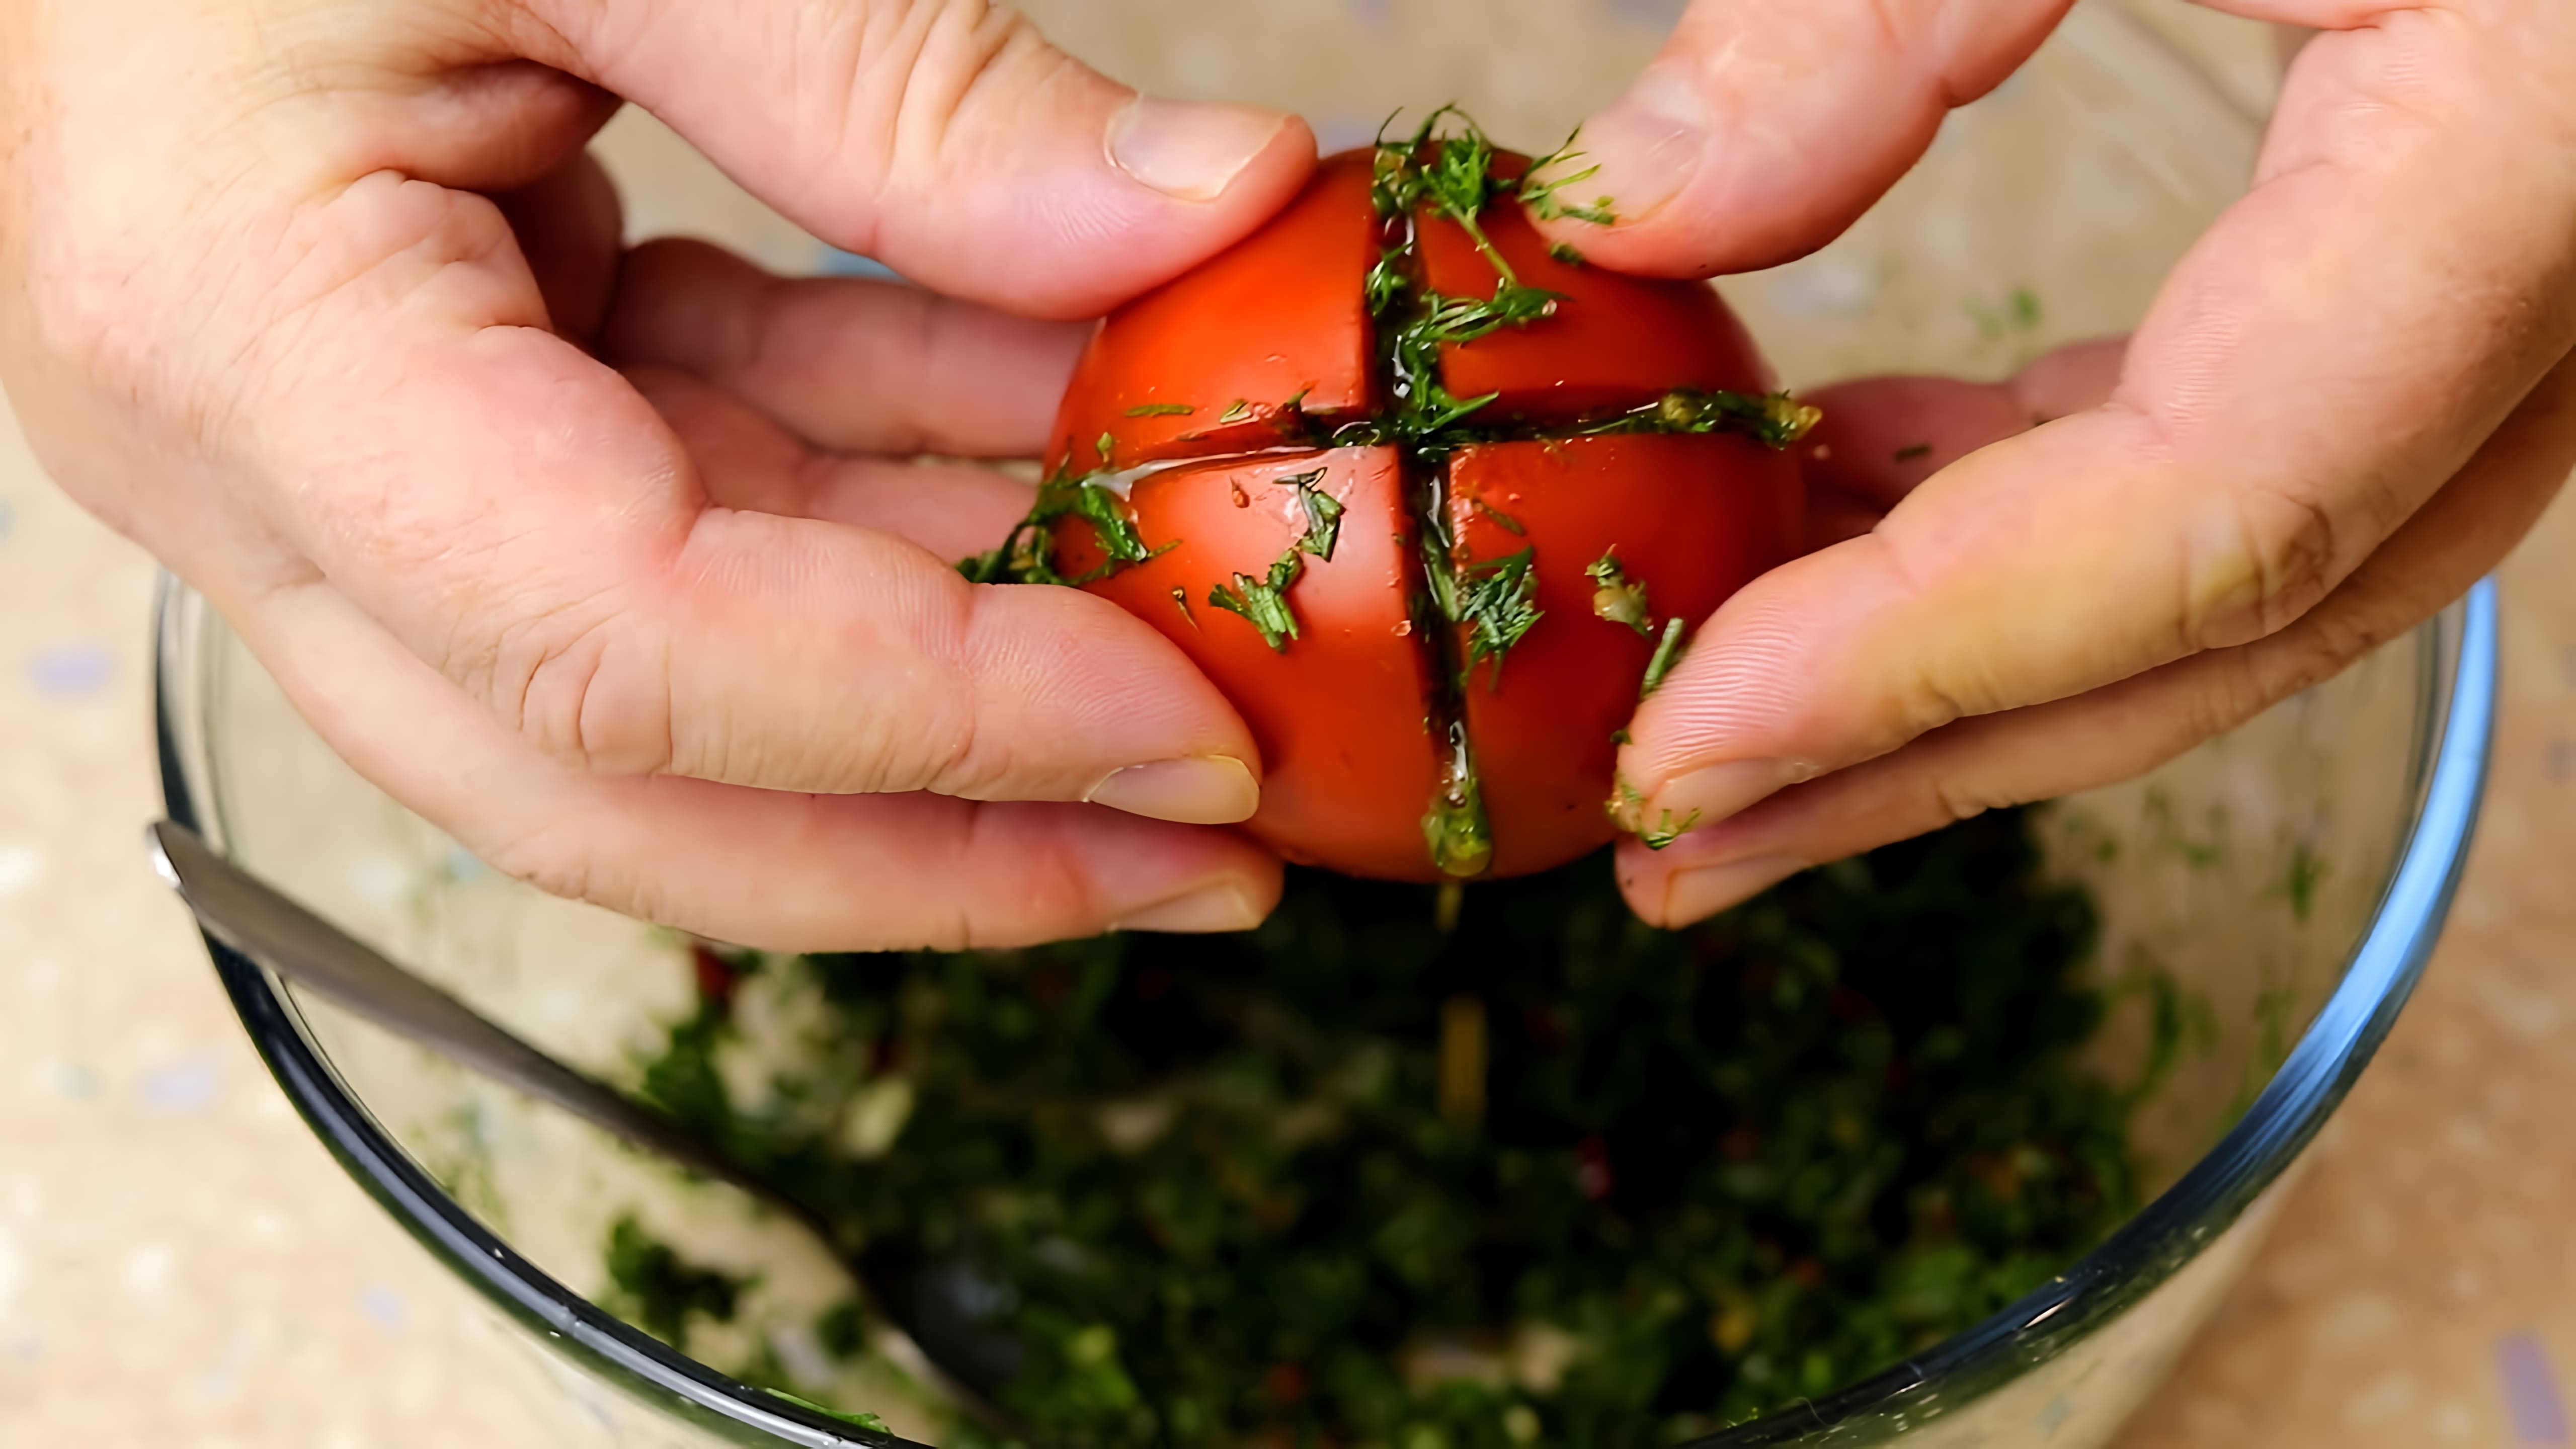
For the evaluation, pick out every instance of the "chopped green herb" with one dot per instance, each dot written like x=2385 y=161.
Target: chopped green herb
x=1667 y=650
x=1502 y=520
x=1721 y=1170
x=1667 y=830
x=1027 y=555
x=660 y=1292
x=1775 y=420
x=1619 y=736
x=1565 y=252
x=1236 y=411
x=869 y=1422
x=1156 y=410
x=1498 y=602
x=1619 y=599
x=1323 y=515
x=1625 y=807
x=1388 y=281
x=1103 y=446
x=1912 y=451
x=1264 y=602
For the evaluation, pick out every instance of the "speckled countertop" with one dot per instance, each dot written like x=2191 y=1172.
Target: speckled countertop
x=182 y=1267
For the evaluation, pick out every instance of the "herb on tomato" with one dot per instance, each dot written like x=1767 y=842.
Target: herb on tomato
x=1236 y=411
x=1264 y=602
x=1618 y=598
x=1156 y=410
x=1498 y=602
x=1323 y=515
x=1027 y=554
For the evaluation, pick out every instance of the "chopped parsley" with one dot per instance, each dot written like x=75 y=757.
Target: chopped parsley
x=1912 y=451
x=1156 y=410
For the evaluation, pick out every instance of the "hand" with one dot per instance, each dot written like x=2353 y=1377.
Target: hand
x=322 y=302
x=2347 y=404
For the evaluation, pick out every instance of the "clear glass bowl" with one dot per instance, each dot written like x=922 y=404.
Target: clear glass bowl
x=2286 y=881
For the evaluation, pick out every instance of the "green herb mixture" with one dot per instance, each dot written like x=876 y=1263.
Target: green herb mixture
x=1548 y=1175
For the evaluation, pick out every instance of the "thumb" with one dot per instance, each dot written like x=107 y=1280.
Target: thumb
x=1764 y=127
x=945 y=138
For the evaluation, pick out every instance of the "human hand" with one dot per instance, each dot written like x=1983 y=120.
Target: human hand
x=2348 y=402
x=322 y=302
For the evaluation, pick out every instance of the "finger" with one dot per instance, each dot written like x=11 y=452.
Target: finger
x=773 y=869
x=1761 y=130
x=2287 y=403
x=493 y=123
x=747 y=461
x=1880 y=436
x=847 y=363
x=568 y=224
x=945 y=138
x=2126 y=729
x=518 y=515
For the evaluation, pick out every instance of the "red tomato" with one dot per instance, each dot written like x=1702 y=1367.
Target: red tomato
x=1434 y=607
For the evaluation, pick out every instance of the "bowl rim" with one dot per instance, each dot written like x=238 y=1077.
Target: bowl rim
x=2455 y=741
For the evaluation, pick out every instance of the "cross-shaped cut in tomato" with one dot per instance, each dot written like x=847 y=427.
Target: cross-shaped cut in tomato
x=1434 y=607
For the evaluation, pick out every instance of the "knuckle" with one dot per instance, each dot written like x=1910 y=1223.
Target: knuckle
x=583 y=685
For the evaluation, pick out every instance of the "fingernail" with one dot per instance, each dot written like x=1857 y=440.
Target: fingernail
x=1194 y=790
x=1693 y=895
x=1209 y=908
x=1705 y=797
x=1647 y=143
x=1189 y=149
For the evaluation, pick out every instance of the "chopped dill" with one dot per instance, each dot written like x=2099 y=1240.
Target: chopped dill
x=1667 y=830
x=1667 y=650
x=1498 y=602
x=1323 y=515
x=1619 y=599
x=1158 y=410
x=1264 y=602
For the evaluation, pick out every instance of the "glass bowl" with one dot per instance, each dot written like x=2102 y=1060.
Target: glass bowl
x=2277 y=890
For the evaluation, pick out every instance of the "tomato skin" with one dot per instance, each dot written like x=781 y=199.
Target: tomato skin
x=1353 y=717
x=1279 y=315
x=1347 y=764
x=1693 y=518
x=1615 y=341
